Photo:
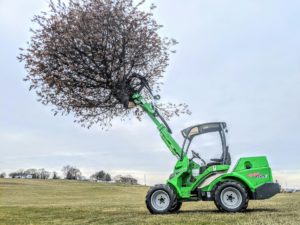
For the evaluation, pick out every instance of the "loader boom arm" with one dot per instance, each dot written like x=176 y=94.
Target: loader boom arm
x=164 y=133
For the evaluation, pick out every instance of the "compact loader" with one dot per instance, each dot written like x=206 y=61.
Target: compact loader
x=229 y=186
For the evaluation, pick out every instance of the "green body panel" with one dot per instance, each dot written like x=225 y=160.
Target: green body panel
x=251 y=171
x=252 y=176
x=183 y=181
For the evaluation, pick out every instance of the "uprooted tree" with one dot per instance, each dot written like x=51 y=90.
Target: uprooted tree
x=82 y=55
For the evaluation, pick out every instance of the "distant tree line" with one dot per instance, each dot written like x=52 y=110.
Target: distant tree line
x=69 y=173
x=31 y=173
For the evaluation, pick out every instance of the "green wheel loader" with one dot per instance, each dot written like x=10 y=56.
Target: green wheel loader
x=229 y=186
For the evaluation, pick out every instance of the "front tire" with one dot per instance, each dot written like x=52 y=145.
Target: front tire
x=231 y=196
x=161 y=199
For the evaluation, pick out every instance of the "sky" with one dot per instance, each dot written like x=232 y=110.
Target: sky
x=236 y=61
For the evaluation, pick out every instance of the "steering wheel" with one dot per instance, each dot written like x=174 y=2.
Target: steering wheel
x=196 y=155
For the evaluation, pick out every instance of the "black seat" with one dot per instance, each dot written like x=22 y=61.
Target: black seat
x=213 y=163
x=227 y=160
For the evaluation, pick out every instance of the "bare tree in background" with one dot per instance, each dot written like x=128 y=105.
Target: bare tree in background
x=82 y=55
x=43 y=174
x=17 y=174
x=71 y=172
x=33 y=172
x=55 y=175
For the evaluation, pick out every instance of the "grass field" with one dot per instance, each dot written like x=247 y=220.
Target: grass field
x=71 y=202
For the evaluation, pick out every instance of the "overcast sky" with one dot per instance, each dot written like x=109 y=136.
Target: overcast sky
x=236 y=61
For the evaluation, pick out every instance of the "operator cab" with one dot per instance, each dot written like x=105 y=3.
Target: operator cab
x=193 y=131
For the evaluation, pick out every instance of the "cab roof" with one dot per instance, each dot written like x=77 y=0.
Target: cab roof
x=195 y=130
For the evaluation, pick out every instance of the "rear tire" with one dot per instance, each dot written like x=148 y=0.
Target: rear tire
x=160 y=199
x=231 y=196
x=176 y=207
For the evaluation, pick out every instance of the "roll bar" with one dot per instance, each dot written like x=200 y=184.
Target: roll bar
x=190 y=132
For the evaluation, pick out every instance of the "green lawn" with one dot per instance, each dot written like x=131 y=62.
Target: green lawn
x=71 y=202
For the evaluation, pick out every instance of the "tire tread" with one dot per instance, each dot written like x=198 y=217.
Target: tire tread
x=233 y=183
x=169 y=190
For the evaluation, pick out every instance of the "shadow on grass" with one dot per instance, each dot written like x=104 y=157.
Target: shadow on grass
x=261 y=210
x=199 y=211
